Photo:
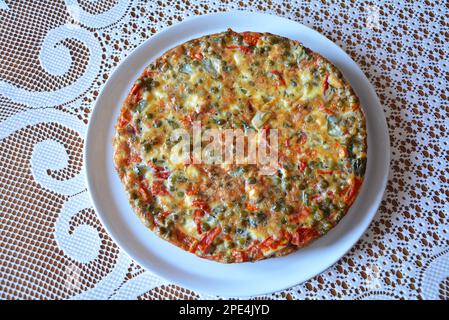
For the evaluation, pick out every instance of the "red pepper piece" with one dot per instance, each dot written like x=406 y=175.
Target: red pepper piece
x=159 y=188
x=162 y=175
x=241 y=48
x=239 y=256
x=197 y=215
x=193 y=190
x=325 y=84
x=251 y=38
x=197 y=56
x=279 y=75
x=302 y=165
x=145 y=194
x=202 y=204
x=303 y=235
x=208 y=238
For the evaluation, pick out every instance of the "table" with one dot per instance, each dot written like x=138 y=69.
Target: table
x=56 y=56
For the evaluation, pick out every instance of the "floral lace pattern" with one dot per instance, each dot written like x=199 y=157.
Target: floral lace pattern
x=56 y=56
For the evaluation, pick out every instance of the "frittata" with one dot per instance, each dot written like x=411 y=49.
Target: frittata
x=233 y=212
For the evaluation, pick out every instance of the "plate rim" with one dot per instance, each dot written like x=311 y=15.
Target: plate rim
x=124 y=246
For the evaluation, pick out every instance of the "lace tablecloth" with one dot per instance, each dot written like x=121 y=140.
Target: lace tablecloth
x=56 y=56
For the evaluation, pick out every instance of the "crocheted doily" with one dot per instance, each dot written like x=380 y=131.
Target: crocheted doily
x=57 y=55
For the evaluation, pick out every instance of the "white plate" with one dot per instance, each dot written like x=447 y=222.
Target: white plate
x=183 y=268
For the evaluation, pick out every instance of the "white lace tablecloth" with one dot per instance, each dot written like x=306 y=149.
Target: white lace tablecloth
x=55 y=56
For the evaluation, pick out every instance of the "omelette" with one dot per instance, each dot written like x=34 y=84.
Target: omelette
x=250 y=83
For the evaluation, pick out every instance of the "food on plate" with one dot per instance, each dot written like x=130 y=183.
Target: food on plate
x=246 y=82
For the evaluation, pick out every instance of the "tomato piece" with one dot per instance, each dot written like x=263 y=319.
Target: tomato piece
x=303 y=235
x=299 y=217
x=279 y=75
x=193 y=190
x=164 y=215
x=241 y=48
x=208 y=238
x=135 y=94
x=197 y=215
x=310 y=152
x=275 y=244
x=197 y=56
x=156 y=167
x=122 y=122
x=135 y=89
x=286 y=236
x=193 y=247
x=254 y=251
x=187 y=120
x=124 y=119
x=135 y=158
x=136 y=98
x=251 y=38
x=325 y=84
x=185 y=240
x=343 y=152
x=270 y=243
x=302 y=165
x=266 y=243
x=159 y=188
x=251 y=207
x=202 y=204
x=322 y=171
x=326 y=110
x=215 y=257
x=239 y=256
x=148 y=73
x=162 y=174
x=145 y=194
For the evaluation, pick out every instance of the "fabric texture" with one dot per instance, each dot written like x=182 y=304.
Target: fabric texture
x=55 y=56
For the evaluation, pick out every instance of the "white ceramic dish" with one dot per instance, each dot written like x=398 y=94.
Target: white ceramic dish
x=185 y=269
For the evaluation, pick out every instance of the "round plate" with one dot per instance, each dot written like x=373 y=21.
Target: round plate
x=183 y=268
